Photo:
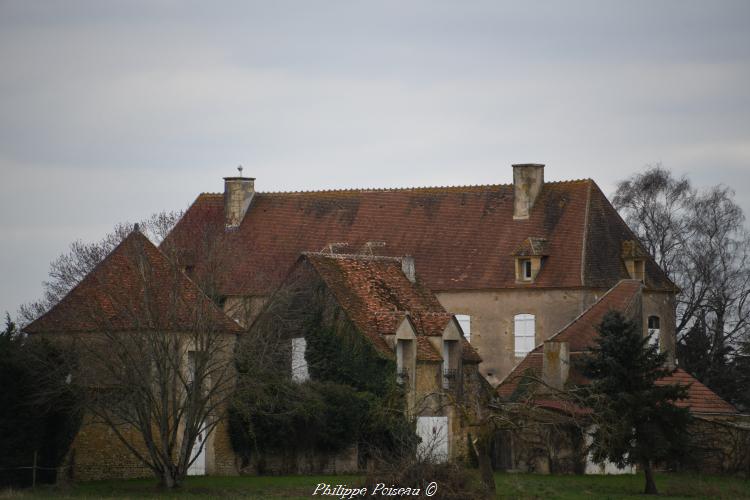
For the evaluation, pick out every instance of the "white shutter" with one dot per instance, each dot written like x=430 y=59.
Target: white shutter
x=524 y=332
x=299 y=363
x=465 y=321
x=433 y=432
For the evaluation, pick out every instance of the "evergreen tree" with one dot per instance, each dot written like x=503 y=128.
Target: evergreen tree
x=637 y=420
x=36 y=407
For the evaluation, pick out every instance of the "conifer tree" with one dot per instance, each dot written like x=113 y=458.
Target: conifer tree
x=637 y=420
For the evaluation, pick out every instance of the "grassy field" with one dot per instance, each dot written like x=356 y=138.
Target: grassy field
x=508 y=486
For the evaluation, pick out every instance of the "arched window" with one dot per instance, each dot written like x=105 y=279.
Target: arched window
x=653 y=330
x=524 y=333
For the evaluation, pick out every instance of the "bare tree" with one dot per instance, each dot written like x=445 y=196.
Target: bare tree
x=699 y=239
x=68 y=269
x=155 y=356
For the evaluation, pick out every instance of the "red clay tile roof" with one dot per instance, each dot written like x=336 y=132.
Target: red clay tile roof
x=532 y=246
x=700 y=399
x=113 y=296
x=530 y=366
x=377 y=297
x=461 y=237
x=581 y=335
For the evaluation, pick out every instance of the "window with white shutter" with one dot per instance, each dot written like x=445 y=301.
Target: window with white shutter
x=299 y=363
x=524 y=333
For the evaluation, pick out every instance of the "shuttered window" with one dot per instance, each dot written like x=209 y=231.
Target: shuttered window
x=524 y=334
x=299 y=363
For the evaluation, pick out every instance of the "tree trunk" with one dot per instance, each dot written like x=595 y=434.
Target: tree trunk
x=482 y=449
x=649 y=473
x=168 y=479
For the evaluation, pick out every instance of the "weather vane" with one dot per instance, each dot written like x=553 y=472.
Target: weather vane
x=239 y=168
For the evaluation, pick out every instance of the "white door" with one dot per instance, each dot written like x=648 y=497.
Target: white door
x=433 y=431
x=198 y=467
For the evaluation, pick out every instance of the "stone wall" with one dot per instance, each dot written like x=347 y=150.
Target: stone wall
x=492 y=320
x=97 y=453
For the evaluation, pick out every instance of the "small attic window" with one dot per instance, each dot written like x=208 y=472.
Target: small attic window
x=526 y=269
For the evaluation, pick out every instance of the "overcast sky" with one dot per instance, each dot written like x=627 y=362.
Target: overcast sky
x=110 y=111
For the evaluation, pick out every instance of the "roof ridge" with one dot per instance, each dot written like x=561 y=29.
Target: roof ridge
x=410 y=188
x=353 y=256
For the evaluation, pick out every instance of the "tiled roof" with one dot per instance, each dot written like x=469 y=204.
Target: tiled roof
x=462 y=238
x=532 y=246
x=377 y=297
x=581 y=335
x=134 y=288
x=700 y=399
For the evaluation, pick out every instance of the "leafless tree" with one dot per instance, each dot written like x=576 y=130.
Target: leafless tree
x=700 y=240
x=68 y=269
x=155 y=359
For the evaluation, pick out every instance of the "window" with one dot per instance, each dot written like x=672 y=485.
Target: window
x=403 y=352
x=464 y=320
x=653 y=330
x=524 y=333
x=526 y=269
x=299 y=363
x=450 y=363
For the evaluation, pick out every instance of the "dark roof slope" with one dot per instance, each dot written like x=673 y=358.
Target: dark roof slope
x=461 y=237
x=377 y=297
x=134 y=288
x=581 y=335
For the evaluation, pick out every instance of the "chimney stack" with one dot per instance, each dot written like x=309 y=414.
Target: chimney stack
x=555 y=364
x=407 y=266
x=238 y=193
x=528 y=179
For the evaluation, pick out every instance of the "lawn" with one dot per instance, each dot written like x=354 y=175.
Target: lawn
x=508 y=486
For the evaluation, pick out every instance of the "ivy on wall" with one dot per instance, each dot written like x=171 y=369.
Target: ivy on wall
x=352 y=397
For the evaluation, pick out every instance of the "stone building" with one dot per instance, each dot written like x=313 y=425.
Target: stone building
x=551 y=366
x=135 y=292
x=514 y=262
x=382 y=301
x=503 y=267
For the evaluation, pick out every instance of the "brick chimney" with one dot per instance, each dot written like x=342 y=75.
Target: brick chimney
x=555 y=364
x=528 y=179
x=238 y=193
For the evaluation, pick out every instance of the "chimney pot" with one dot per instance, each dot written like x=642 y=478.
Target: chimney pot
x=528 y=180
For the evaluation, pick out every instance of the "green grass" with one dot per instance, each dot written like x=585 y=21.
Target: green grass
x=249 y=487
x=616 y=487
x=525 y=486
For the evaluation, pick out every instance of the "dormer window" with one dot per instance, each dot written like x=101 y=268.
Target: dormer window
x=529 y=256
x=634 y=257
x=404 y=355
